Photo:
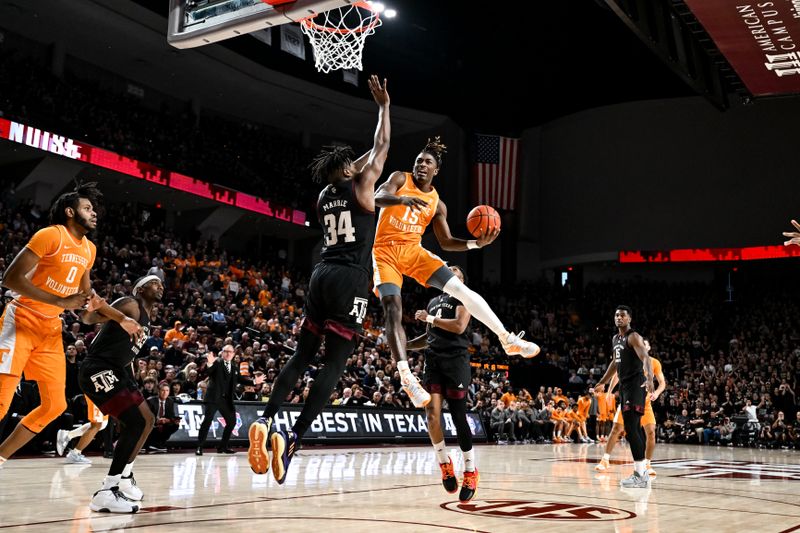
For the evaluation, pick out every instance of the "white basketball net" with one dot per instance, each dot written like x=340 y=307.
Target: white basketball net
x=338 y=35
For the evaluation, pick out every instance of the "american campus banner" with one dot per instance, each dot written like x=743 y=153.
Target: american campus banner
x=761 y=40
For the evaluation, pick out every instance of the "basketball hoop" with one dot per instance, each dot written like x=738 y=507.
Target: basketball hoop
x=338 y=35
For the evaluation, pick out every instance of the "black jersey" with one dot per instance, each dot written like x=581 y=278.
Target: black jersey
x=348 y=228
x=441 y=342
x=113 y=344
x=629 y=367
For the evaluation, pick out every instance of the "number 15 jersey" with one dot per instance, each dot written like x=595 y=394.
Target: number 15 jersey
x=400 y=225
x=348 y=228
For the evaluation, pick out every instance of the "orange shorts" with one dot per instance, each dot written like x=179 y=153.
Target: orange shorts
x=93 y=413
x=648 y=417
x=391 y=263
x=31 y=344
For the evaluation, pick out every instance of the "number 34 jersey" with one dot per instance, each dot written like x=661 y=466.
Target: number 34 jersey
x=348 y=228
x=63 y=261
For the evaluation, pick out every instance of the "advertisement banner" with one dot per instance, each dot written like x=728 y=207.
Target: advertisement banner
x=367 y=424
x=761 y=41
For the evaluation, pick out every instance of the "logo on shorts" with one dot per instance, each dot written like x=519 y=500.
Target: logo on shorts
x=359 y=309
x=104 y=381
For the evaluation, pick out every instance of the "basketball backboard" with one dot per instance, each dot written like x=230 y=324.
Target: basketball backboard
x=199 y=22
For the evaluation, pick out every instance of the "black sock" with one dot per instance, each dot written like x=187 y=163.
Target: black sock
x=307 y=348
x=337 y=350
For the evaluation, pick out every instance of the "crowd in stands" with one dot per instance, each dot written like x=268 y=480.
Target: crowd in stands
x=732 y=368
x=249 y=157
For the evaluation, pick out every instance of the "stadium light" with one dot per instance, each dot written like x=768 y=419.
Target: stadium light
x=390 y=13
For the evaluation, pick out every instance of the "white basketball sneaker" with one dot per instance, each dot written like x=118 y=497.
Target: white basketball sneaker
x=129 y=488
x=112 y=501
x=62 y=439
x=75 y=458
x=418 y=395
x=514 y=345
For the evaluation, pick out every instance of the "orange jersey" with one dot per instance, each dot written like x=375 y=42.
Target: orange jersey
x=583 y=407
x=62 y=264
x=402 y=225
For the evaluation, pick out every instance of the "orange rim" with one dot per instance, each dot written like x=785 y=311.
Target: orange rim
x=309 y=23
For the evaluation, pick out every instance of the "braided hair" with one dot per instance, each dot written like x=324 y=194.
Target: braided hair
x=435 y=148
x=329 y=160
x=87 y=191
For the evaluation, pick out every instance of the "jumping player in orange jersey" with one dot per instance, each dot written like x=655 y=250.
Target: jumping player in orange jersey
x=648 y=421
x=49 y=275
x=409 y=203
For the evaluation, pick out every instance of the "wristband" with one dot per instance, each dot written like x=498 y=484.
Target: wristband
x=429 y=319
x=472 y=245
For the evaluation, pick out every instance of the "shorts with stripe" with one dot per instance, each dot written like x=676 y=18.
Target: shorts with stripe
x=32 y=344
x=391 y=263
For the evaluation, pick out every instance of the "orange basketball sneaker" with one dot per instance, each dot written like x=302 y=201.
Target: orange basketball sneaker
x=514 y=345
x=449 y=480
x=257 y=453
x=469 y=486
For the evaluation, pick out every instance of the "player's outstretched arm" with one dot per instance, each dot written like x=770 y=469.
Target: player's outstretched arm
x=386 y=195
x=637 y=343
x=99 y=305
x=369 y=170
x=15 y=279
x=457 y=325
x=794 y=236
x=418 y=343
x=125 y=305
x=451 y=244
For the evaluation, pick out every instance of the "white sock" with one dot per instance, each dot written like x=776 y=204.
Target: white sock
x=476 y=306
x=126 y=472
x=2 y=460
x=110 y=481
x=469 y=460
x=402 y=366
x=79 y=431
x=640 y=468
x=77 y=451
x=606 y=457
x=441 y=453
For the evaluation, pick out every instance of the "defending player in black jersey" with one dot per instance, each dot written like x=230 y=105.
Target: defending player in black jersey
x=338 y=289
x=635 y=371
x=447 y=374
x=106 y=377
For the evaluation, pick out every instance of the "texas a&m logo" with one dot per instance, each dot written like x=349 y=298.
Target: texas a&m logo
x=535 y=510
x=359 y=309
x=104 y=381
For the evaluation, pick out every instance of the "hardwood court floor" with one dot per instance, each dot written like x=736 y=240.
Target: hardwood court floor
x=397 y=489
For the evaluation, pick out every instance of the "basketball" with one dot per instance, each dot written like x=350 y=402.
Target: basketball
x=481 y=219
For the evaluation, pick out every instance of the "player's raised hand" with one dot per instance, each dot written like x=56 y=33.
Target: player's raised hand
x=95 y=302
x=413 y=202
x=74 y=301
x=379 y=92
x=598 y=388
x=421 y=315
x=488 y=238
x=132 y=328
x=794 y=236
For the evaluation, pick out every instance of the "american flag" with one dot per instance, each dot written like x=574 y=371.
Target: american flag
x=495 y=170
